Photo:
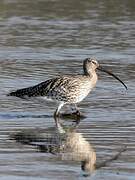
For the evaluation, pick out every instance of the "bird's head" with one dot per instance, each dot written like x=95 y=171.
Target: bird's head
x=91 y=64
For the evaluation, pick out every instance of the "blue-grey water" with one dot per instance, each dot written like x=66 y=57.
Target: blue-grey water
x=44 y=38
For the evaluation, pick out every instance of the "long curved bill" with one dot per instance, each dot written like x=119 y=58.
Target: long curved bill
x=108 y=72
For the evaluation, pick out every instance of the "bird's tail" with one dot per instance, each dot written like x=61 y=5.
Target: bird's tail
x=22 y=93
x=37 y=90
x=41 y=89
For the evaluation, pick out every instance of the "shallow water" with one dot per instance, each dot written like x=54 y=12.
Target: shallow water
x=41 y=39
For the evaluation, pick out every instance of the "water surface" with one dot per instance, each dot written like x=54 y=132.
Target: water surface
x=41 y=39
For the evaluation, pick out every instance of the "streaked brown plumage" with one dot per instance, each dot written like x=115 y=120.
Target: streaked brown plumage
x=66 y=89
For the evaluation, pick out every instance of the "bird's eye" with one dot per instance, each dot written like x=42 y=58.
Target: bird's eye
x=94 y=62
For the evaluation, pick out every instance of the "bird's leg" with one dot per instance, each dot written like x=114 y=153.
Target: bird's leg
x=77 y=112
x=57 y=112
x=59 y=126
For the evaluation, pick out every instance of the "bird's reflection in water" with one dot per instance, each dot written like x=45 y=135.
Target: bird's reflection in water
x=77 y=148
x=63 y=141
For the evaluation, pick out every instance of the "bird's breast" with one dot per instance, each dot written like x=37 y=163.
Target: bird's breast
x=85 y=87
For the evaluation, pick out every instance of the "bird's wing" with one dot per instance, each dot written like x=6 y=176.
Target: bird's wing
x=60 y=86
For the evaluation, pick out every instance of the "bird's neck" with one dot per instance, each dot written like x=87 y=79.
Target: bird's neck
x=89 y=72
x=92 y=77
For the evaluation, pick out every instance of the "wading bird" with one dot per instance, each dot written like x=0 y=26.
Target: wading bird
x=67 y=89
